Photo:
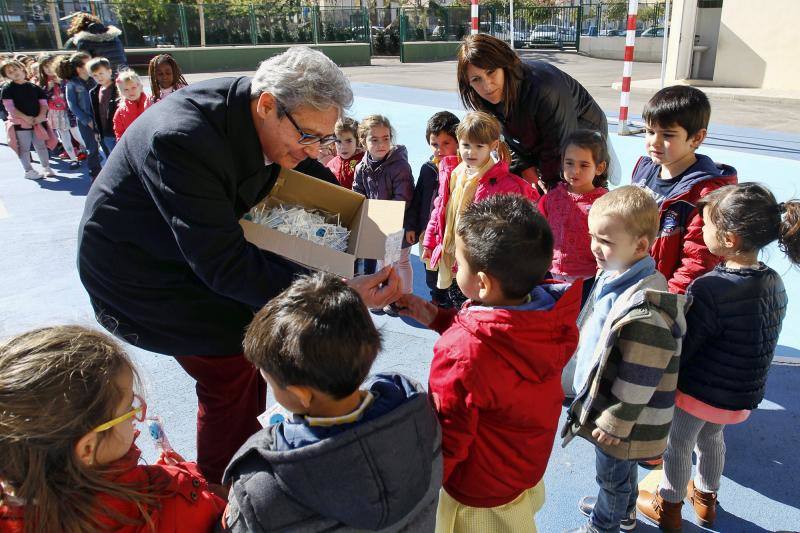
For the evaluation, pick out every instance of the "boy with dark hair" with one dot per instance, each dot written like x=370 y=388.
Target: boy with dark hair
x=79 y=84
x=496 y=373
x=627 y=360
x=104 y=98
x=348 y=457
x=440 y=134
x=677 y=177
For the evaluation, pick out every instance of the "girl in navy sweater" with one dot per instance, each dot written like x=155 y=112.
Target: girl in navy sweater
x=733 y=327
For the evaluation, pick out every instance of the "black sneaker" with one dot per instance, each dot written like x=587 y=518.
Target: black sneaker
x=74 y=165
x=586 y=506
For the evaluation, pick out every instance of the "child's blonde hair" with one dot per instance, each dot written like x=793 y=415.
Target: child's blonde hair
x=634 y=206
x=127 y=75
x=481 y=127
x=374 y=121
x=56 y=385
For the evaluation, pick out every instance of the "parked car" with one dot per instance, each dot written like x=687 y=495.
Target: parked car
x=653 y=31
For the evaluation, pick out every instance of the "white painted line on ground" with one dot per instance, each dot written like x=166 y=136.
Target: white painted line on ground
x=3 y=211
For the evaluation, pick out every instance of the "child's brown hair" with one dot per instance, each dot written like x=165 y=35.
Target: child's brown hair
x=593 y=141
x=56 y=385
x=67 y=68
x=346 y=125
x=177 y=75
x=11 y=63
x=374 y=121
x=483 y=128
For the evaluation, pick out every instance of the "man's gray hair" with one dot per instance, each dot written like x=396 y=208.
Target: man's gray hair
x=302 y=76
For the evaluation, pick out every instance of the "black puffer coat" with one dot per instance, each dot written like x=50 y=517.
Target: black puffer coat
x=733 y=328
x=550 y=105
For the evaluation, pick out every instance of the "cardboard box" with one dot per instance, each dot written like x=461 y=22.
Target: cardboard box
x=371 y=223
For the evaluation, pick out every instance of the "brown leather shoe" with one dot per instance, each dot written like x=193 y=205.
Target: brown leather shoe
x=704 y=503
x=662 y=513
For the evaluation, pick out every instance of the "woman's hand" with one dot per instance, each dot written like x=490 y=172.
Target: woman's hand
x=379 y=289
x=411 y=237
x=415 y=307
x=426 y=254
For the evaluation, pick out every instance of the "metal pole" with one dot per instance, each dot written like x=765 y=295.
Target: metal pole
x=54 y=22
x=511 y=22
x=627 y=69
x=475 y=17
x=665 y=45
x=202 y=15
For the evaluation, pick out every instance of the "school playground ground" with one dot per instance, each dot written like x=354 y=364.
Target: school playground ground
x=760 y=491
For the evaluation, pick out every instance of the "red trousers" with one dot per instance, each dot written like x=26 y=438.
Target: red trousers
x=230 y=395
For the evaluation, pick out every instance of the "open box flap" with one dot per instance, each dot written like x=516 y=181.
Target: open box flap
x=295 y=188
x=380 y=218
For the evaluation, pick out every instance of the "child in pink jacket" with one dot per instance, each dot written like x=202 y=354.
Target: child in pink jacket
x=482 y=172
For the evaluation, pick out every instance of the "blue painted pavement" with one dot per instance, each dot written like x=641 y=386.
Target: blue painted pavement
x=40 y=286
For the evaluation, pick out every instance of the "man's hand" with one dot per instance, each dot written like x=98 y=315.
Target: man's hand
x=379 y=289
x=411 y=237
x=604 y=438
x=417 y=308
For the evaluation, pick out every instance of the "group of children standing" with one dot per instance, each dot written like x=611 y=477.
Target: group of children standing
x=78 y=102
x=672 y=343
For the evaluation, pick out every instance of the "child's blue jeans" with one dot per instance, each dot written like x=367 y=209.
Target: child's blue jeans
x=618 y=480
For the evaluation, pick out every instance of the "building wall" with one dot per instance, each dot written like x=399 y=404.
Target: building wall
x=647 y=49
x=757 y=45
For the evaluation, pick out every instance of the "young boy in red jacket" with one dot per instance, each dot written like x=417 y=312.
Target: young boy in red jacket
x=677 y=177
x=496 y=373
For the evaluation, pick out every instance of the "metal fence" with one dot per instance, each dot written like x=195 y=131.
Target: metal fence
x=610 y=19
x=27 y=26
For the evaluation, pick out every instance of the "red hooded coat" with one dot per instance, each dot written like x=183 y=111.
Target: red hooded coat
x=496 y=384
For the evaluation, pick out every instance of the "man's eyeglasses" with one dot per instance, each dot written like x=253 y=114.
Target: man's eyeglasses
x=139 y=411
x=307 y=139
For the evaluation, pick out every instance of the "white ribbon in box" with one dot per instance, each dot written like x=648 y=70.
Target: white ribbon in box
x=374 y=224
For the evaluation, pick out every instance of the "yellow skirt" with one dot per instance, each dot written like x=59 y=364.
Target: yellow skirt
x=513 y=517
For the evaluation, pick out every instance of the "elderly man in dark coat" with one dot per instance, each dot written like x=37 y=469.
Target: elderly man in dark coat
x=161 y=252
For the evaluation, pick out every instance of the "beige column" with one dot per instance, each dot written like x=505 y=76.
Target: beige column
x=201 y=14
x=54 y=22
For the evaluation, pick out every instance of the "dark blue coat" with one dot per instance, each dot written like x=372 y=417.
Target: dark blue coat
x=733 y=327
x=160 y=249
x=425 y=191
x=99 y=40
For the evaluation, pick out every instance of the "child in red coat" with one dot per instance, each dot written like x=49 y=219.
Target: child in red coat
x=69 y=462
x=348 y=152
x=495 y=378
x=132 y=104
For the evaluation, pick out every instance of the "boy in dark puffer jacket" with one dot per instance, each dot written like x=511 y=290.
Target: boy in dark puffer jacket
x=733 y=327
x=349 y=457
x=677 y=177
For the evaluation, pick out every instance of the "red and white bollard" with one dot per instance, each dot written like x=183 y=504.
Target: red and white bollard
x=474 y=17
x=627 y=69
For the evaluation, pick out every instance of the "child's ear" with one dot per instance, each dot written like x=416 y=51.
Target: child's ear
x=698 y=138
x=86 y=447
x=732 y=241
x=485 y=285
x=304 y=395
x=599 y=169
x=643 y=246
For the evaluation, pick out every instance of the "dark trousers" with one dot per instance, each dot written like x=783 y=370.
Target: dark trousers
x=230 y=395
x=438 y=296
x=93 y=158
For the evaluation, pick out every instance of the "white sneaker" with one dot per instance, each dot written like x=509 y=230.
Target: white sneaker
x=49 y=172
x=33 y=174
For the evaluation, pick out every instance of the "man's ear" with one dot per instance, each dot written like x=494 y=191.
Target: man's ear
x=266 y=103
x=86 y=447
x=304 y=395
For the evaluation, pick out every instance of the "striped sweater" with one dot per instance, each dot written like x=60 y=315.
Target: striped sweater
x=631 y=389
